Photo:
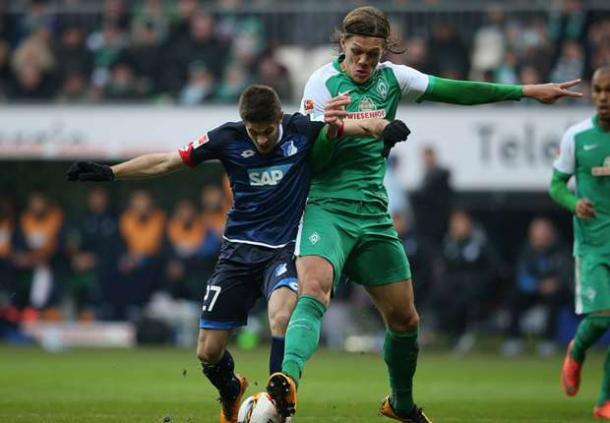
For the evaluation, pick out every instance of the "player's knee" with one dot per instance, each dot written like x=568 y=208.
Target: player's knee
x=316 y=287
x=278 y=321
x=404 y=321
x=208 y=352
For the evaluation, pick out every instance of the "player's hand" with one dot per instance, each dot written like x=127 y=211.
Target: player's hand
x=395 y=131
x=585 y=209
x=334 y=113
x=550 y=93
x=89 y=171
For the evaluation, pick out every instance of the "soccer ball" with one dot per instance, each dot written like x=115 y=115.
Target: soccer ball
x=259 y=408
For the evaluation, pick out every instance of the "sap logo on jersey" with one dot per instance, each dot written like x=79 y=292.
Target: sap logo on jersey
x=267 y=175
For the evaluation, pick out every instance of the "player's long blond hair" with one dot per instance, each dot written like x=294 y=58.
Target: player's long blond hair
x=368 y=21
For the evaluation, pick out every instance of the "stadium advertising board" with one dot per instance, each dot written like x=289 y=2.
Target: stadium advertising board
x=486 y=148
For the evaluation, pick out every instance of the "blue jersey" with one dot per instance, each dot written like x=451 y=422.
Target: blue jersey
x=269 y=190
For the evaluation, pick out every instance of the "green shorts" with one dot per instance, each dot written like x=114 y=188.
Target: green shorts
x=592 y=283
x=357 y=238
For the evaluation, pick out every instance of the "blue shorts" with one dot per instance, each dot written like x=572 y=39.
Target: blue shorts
x=242 y=274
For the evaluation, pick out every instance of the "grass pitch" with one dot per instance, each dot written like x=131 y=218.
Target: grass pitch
x=157 y=385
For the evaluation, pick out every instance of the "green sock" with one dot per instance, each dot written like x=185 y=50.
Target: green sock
x=400 y=354
x=302 y=335
x=590 y=329
x=604 y=393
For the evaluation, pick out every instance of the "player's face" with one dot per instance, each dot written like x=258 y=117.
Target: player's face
x=362 y=54
x=601 y=94
x=264 y=135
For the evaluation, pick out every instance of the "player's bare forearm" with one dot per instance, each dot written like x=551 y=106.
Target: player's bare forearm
x=148 y=166
x=366 y=127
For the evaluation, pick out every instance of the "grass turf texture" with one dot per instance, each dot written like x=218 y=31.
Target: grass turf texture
x=166 y=385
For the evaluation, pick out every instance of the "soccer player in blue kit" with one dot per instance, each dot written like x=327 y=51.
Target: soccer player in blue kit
x=269 y=157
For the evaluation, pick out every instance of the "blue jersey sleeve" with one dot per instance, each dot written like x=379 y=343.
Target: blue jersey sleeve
x=307 y=127
x=209 y=146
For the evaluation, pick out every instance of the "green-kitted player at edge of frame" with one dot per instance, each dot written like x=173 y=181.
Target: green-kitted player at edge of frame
x=585 y=154
x=346 y=227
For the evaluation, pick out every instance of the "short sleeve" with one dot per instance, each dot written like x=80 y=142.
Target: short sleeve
x=413 y=83
x=206 y=147
x=315 y=97
x=565 y=162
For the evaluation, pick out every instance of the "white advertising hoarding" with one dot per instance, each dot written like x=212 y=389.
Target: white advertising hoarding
x=486 y=148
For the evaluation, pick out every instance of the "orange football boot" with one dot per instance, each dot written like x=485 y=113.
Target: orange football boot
x=283 y=391
x=570 y=373
x=230 y=409
x=602 y=412
x=417 y=416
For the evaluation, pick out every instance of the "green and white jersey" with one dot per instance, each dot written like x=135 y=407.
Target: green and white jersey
x=357 y=169
x=585 y=153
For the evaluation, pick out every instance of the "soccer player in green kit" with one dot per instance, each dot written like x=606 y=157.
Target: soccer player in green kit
x=346 y=227
x=585 y=153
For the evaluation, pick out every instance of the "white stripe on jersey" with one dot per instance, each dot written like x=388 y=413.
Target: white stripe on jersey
x=260 y=244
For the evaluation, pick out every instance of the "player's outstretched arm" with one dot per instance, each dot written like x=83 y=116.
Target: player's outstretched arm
x=141 y=167
x=471 y=93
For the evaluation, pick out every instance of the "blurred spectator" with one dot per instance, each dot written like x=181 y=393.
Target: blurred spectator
x=39 y=256
x=200 y=85
x=489 y=44
x=433 y=201
x=214 y=207
x=115 y=14
x=122 y=84
x=528 y=74
x=205 y=46
x=107 y=46
x=571 y=63
x=75 y=88
x=507 y=71
x=152 y=14
x=235 y=80
x=274 y=74
x=33 y=65
x=398 y=200
x=7 y=246
x=5 y=69
x=37 y=18
x=72 y=55
x=8 y=30
x=179 y=28
x=191 y=252
x=542 y=278
x=416 y=54
x=462 y=298
x=421 y=258
x=141 y=227
x=569 y=22
x=96 y=276
x=450 y=58
x=145 y=53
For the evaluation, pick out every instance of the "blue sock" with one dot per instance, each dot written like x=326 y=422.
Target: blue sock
x=276 y=356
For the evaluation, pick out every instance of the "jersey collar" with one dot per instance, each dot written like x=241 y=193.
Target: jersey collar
x=597 y=125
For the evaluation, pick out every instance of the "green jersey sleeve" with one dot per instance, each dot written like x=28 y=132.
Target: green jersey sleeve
x=469 y=92
x=322 y=151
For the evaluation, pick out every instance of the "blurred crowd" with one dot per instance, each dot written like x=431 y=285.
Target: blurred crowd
x=145 y=261
x=192 y=52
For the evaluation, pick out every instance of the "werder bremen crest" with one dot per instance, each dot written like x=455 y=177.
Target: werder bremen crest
x=366 y=105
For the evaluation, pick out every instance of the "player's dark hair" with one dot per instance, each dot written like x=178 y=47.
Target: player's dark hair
x=259 y=104
x=368 y=21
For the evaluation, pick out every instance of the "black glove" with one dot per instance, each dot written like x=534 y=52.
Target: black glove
x=395 y=131
x=89 y=171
